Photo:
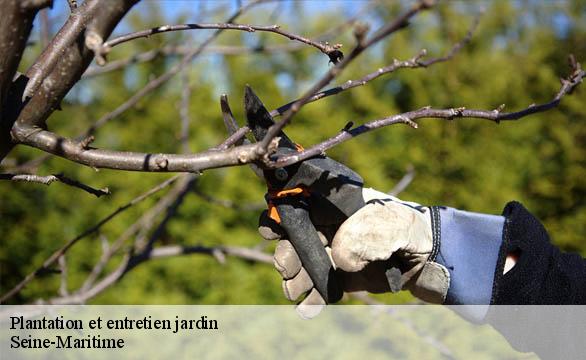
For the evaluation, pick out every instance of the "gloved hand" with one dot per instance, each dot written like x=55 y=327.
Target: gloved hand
x=360 y=249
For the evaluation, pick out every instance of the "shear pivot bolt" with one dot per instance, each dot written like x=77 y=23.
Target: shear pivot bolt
x=281 y=174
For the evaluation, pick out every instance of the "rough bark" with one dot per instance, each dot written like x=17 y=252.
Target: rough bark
x=60 y=66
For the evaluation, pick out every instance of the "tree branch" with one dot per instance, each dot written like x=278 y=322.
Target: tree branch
x=159 y=81
x=179 y=50
x=156 y=253
x=134 y=161
x=68 y=34
x=143 y=224
x=225 y=49
x=362 y=44
x=55 y=256
x=59 y=78
x=496 y=115
x=49 y=179
x=413 y=63
x=112 y=249
x=325 y=48
x=15 y=29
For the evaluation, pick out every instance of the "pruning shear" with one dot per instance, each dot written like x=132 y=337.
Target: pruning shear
x=319 y=180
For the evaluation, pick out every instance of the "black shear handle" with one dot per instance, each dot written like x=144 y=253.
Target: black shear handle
x=303 y=235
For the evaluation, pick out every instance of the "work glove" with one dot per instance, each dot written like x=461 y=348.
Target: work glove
x=361 y=248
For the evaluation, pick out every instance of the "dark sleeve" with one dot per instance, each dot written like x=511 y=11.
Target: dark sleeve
x=543 y=274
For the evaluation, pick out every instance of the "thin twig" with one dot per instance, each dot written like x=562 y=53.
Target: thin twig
x=135 y=161
x=161 y=252
x=362 y=44
x=408 y=118
x=248 y=153
x=179 y=50
x=49 y=179
x=172 y=50
x=144 y=223
x=157 y=82
x=416 y=61
x=181 y=190
x=325 y=48
x=100 y=265
x=94 y=229
x=55 y=256
x=65 y=37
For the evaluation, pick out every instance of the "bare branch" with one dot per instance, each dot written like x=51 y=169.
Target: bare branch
x=111 y=249
x=171 y=50
x=143 y=224
x=55 y=256
x=70 y=64
x=323 y=47
x=134 y=161
x=162 y=252
x=179 y=50
x=408 y=118
x=363 y=44
x=142 y=249
x=15 y=29
x=47 y=180
x=159 y=81
x=99 y=267
x=415 y=62
x=68 y=34
x=237 y=138
x=458 y=46
x=243 y=154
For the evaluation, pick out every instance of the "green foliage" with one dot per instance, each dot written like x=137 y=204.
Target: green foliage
x=516 y=57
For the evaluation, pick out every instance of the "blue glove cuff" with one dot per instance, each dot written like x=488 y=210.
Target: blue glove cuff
x=469 y=249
